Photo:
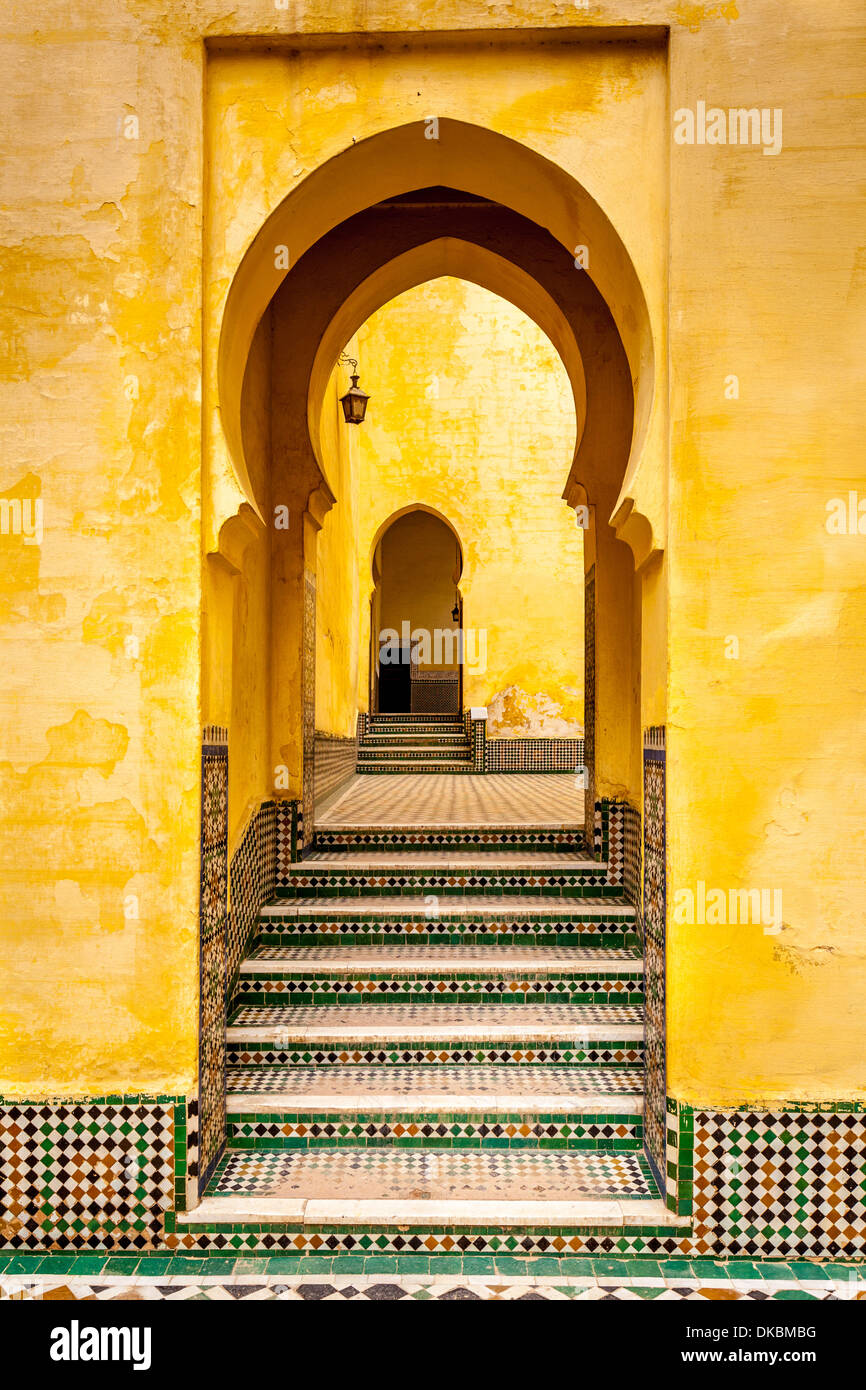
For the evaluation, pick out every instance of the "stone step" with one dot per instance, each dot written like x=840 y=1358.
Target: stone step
x=411 y=749
x=422 y=738
x=484 y=920
x=376 y=721
x=436 y=1090
x=411 y=974
x=488 y=1197
x=449 y=874
x=389 y=860
x=394 y=767
x=502 y=961
x=397 y=1034
x=477 y=839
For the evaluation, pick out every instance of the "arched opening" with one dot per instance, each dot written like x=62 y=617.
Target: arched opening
x=416 y=617
x=480 y=206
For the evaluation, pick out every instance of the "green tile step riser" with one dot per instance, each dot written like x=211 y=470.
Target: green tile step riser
x=314 y=886
x=387 y=770
x=294 y=933
x=154 y=1265
x=434 y=838
x=264 y=1134
x=393 y=752
x=363 y=1052
x=308 y=992
x=426 y=737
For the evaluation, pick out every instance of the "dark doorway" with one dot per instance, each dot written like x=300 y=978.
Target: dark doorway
x=395 y=680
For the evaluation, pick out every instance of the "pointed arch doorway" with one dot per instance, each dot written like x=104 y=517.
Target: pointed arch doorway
x=416 y=616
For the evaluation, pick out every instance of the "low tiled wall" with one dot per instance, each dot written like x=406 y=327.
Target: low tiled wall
x=335 y=761
x=534 y=754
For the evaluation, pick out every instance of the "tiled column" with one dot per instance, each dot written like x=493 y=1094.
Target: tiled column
x=654 y=917
x=213 y=907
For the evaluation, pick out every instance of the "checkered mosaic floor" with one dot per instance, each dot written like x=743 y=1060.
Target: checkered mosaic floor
x=435 y=1175
x=421 y=956
x=423 y=1020
x=406 y=799
x=446 y=1081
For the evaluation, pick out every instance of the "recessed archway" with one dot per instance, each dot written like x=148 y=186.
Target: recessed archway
x=482 y=164
x=416 y=614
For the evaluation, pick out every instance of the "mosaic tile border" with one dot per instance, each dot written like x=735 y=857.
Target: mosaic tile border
x=292 y=1129
x=434 y=692
x=654 y=915
x=101 y=1173
x=290 y=838
x=369 y=929
x=589 y=692
x=252 y=883
x=213 y=925
x=477 y=987
x=436 y=837
x=308 y=707
x=535 y=754
x=334 y=762
x=241 y=1278
x=308 y=880
x=445 y=1052
x=786 y=1182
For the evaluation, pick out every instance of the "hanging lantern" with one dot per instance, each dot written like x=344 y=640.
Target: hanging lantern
x=354 y=402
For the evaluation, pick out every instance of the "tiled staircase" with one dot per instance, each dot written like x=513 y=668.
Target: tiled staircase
x=439 y=1050
x=415 y=743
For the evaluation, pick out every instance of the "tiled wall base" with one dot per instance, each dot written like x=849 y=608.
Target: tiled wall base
x=534 y=754
x=434 y=692
x=290 y=837
x=335 y=760
x=252 y=880
x=99 y=1174
x=791 y=1182
x=654 y=927
x=213 y=921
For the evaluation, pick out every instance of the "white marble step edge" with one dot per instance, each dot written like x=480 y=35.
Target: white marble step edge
x=354 y=960
x=433 y=1102
x=586 y=1033
x=374 y=1212
x=347 y=861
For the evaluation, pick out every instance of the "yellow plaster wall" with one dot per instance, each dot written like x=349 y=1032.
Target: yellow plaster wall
x=766 y=749
x=471 y=413
x=337 y=586
x=102 y=264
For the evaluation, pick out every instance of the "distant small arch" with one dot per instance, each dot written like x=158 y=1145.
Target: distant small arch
x=406 y=511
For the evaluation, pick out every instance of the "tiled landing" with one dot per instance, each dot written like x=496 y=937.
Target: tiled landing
x=458 y=1022
x=404 y=800
x=434 y=1175
x=450 y=1087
